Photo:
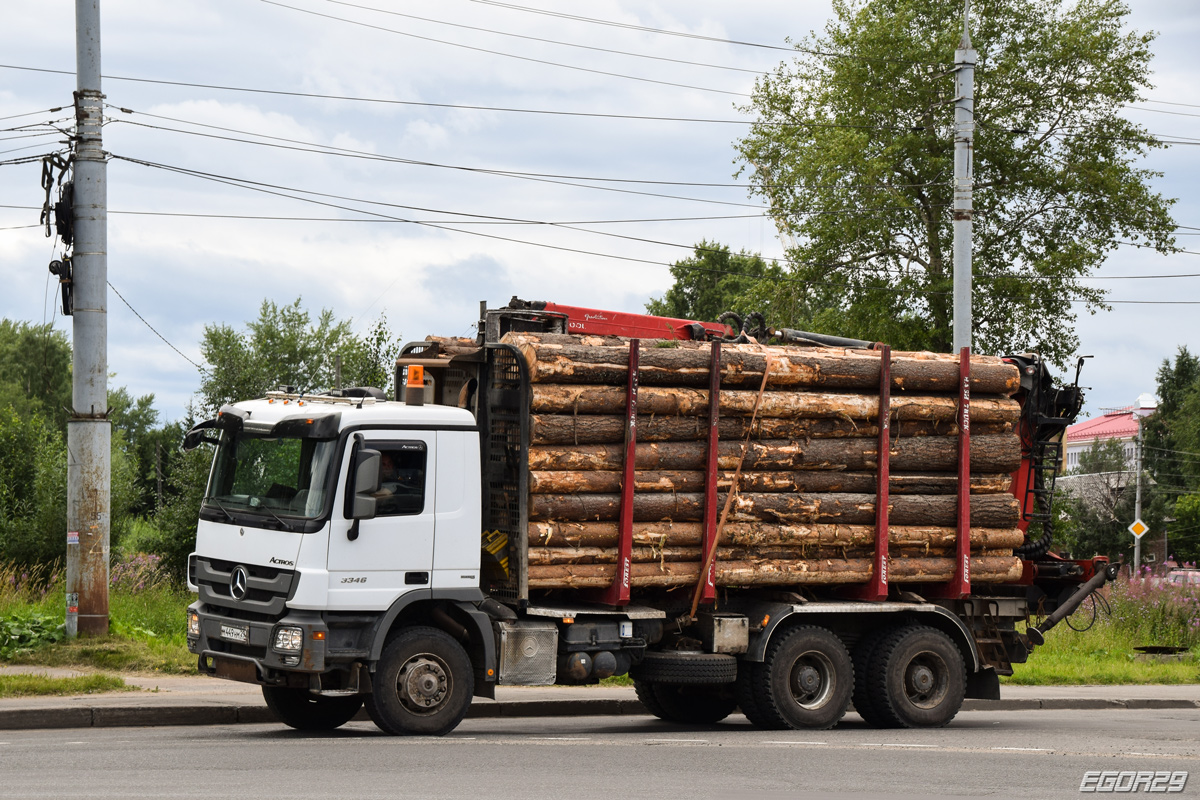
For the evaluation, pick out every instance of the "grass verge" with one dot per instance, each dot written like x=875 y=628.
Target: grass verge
x=42 y=685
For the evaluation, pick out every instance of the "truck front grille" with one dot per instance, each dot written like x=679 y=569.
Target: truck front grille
x=267 y=591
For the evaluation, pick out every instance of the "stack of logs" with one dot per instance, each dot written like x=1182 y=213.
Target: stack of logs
x=804 y=510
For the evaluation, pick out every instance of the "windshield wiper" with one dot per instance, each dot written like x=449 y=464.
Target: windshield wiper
x=278 y=518
x=224 y=510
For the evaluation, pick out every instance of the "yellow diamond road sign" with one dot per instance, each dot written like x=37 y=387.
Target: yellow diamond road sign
x=1138 y=528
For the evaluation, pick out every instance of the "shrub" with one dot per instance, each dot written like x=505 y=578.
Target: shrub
x=1156 y=613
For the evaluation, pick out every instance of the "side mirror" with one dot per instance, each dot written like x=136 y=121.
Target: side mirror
x=366 y=484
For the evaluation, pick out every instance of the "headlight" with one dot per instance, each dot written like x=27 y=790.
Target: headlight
x=193 y=624
x=289 y=640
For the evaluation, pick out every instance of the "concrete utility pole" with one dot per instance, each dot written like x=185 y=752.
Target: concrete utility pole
x=88 y=431
x=964 y=133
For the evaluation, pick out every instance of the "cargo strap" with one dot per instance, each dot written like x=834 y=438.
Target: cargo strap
x=709 y=564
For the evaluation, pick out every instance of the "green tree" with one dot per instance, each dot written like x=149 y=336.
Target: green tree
x=712 y=281
x=33 y=489
x=174 y=534
x=1172 y=451
x=35 y=370
x=854 y=155
x=286 y=347
x=1098 y=502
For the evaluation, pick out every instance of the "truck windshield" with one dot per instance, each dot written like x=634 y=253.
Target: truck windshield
x=273 y=476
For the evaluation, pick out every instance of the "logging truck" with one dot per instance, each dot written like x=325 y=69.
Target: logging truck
x=736 y=517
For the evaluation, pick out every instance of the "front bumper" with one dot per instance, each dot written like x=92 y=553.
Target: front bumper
x=240 y=649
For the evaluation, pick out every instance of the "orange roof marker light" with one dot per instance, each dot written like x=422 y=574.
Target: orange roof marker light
x=414 y=389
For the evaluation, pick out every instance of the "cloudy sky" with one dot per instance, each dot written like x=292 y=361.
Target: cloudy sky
x=460 y=140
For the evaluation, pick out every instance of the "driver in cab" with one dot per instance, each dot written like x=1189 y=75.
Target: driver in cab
x=399 y=489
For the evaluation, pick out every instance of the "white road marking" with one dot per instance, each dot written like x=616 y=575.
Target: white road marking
x=897 y=744
x=700 y=741
x=559 y=738
x=1163 y=755
x=795 y=742
x=75 y=742
x=1027 y=749
x=461 y=738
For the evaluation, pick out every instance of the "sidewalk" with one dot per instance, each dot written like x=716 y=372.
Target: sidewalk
x=200 y=700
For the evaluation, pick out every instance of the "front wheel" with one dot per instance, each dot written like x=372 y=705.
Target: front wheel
x=423 y=684
x=305 y=711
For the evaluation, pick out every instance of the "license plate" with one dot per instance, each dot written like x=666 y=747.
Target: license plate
x=235 y=633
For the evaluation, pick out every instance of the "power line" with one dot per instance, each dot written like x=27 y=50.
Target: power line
x=324 y=149
x=32 y=113
x=384 y=101
x=540 y=39
x=259 y=187
x=627 y=26
x=153 y=330
x=503 y=54
x=1167 y=450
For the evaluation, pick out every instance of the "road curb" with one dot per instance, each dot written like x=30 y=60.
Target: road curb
x=163 y=715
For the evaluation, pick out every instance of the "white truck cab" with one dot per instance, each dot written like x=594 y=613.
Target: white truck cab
x=295 y=570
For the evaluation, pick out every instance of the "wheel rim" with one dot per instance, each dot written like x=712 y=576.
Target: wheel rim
x=811 y=680
x=926 y=680
x=424 y=683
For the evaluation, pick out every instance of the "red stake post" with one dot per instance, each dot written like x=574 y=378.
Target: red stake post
x=618 y=593
x=877 y=587
x=708 y=592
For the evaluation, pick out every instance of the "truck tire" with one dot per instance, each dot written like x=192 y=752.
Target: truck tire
x=647 y=697
x=805 y=681
x=422 y=685
x=864 y=702
x=305 y=711
x=917 y=679
x=692 y=704
x=680 y=667
x=743 y=690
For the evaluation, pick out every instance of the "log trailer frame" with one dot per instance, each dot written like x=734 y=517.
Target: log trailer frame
x=426 y=635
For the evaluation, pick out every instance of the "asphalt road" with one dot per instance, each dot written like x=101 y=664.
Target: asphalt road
x=1037 y=754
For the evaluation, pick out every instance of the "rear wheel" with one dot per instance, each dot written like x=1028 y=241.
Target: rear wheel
x=864 y=702
x=422 y=685
x=305 y=711
x=918 y=679
x=691 y=704
x=646 y=694
x=805 y=681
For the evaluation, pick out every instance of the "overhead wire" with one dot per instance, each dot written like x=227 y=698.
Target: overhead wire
x=471 y=107
x=556 y=42
x=629 y=26
x=154 y=330
x=259 y=187
x=367 y=155
x=503 y=54
x=32 y=113
x=384 y=220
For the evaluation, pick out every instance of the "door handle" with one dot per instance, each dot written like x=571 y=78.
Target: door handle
x=411 y=578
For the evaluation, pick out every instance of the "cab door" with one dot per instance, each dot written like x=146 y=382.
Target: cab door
x=392 y=553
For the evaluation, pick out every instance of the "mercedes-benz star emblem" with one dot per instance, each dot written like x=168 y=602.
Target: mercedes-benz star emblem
x=239 y=582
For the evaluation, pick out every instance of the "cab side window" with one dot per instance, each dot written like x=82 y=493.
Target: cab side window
x=401 y=478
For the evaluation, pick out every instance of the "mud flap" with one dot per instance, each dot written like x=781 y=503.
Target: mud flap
x=983 y=685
